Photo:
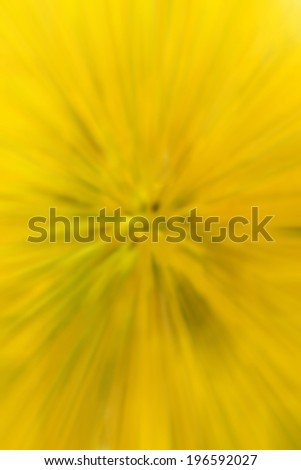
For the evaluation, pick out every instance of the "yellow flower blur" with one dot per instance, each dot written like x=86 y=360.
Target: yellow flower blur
x=139 y=104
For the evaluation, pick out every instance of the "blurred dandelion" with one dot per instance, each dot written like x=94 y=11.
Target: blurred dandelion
x=152 y=106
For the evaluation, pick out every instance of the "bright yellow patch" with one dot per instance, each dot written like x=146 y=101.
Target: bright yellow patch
x=121 y=103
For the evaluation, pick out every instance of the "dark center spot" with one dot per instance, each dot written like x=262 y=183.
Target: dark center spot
x=155 y=206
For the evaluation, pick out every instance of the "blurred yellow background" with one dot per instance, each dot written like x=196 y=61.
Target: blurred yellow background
x=131 y=103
